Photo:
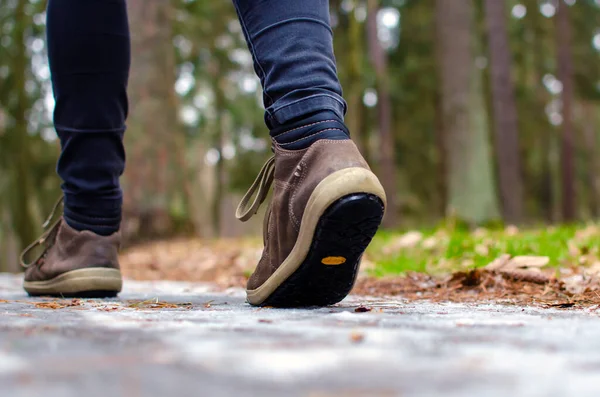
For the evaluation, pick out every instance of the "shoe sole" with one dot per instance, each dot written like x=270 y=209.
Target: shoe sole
x=341 y=217
x=94 y=282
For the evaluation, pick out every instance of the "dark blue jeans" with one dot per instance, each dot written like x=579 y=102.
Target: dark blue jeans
x=89 y=51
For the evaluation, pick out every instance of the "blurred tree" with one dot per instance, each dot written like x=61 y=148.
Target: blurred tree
x=22 y=197
x=415 y=91
x=17 y=95
x=585 y=20
x=505 y=114
x=384 y=106
x=538 y=134
x=471 y=196
x=591 y=142
x=354 y=85
x=565 y=75
x=154 y=137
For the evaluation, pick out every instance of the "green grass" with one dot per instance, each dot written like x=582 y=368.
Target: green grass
x=443 y=251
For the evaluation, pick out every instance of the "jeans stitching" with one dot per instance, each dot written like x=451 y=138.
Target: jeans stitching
x=97 y=218
x=293 y=20
x=307 y=98
x=307 y=125
x=311 y=135
x=68 y=129
x=87 y=225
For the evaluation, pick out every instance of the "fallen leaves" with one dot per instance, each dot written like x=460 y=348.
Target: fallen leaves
x=155 y=304
x=524 y=268
x=224 y=262
x=110 y=309
x=57 y=304
x=506 y=263
x=362 y=309
x=483 y=285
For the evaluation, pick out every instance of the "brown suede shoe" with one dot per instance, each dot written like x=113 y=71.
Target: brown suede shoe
x=73 y=263
x=326 y=208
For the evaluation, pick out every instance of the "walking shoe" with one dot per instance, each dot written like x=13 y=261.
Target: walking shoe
x=326 y=208
x=72 y=263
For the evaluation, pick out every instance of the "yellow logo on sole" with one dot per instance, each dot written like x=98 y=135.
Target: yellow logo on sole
x=333 y=260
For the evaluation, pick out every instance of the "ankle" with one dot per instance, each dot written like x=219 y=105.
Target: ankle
x=102 y=218
x=301 y=133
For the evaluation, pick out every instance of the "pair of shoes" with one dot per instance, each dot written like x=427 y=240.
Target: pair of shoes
x=326 y=207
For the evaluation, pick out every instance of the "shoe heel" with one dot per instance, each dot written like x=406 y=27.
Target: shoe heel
x=329 y=271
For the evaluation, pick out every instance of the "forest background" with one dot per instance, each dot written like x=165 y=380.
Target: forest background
x=472 y=112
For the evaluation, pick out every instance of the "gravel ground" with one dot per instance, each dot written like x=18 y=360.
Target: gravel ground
x=199 y=341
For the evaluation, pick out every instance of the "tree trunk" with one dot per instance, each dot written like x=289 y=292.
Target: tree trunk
x=544 y=142
x=21 y=199
x=442 y=201
x=153 y=132
x=565 y=75
x=384 y=108
x=590 y=137
x=505 y=114
x=471 y=194
x=219 y=169
x=355 y=87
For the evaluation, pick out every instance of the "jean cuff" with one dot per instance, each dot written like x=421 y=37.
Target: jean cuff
x=305 y=106
x=110 y=204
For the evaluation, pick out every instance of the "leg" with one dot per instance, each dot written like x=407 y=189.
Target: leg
x=292 y=46
x=88 y=49
x=327 y=204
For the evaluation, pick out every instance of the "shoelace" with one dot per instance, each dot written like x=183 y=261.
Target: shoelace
x=48 y=231
x=260 y=186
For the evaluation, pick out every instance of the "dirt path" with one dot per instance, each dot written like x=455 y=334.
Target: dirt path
x=170 y=338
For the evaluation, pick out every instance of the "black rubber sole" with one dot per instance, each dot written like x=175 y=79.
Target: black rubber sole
x=83 y=294
x=343 y=233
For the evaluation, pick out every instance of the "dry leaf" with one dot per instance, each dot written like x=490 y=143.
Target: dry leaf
x=521 y=268
x=529 y=261
x=362 y=309
x=50 y=305
x=407 y=240
x=357 y=337
x=530 y=276
x=593 y=270
x=109 y=309
x=156 y=304
x=498 y=263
